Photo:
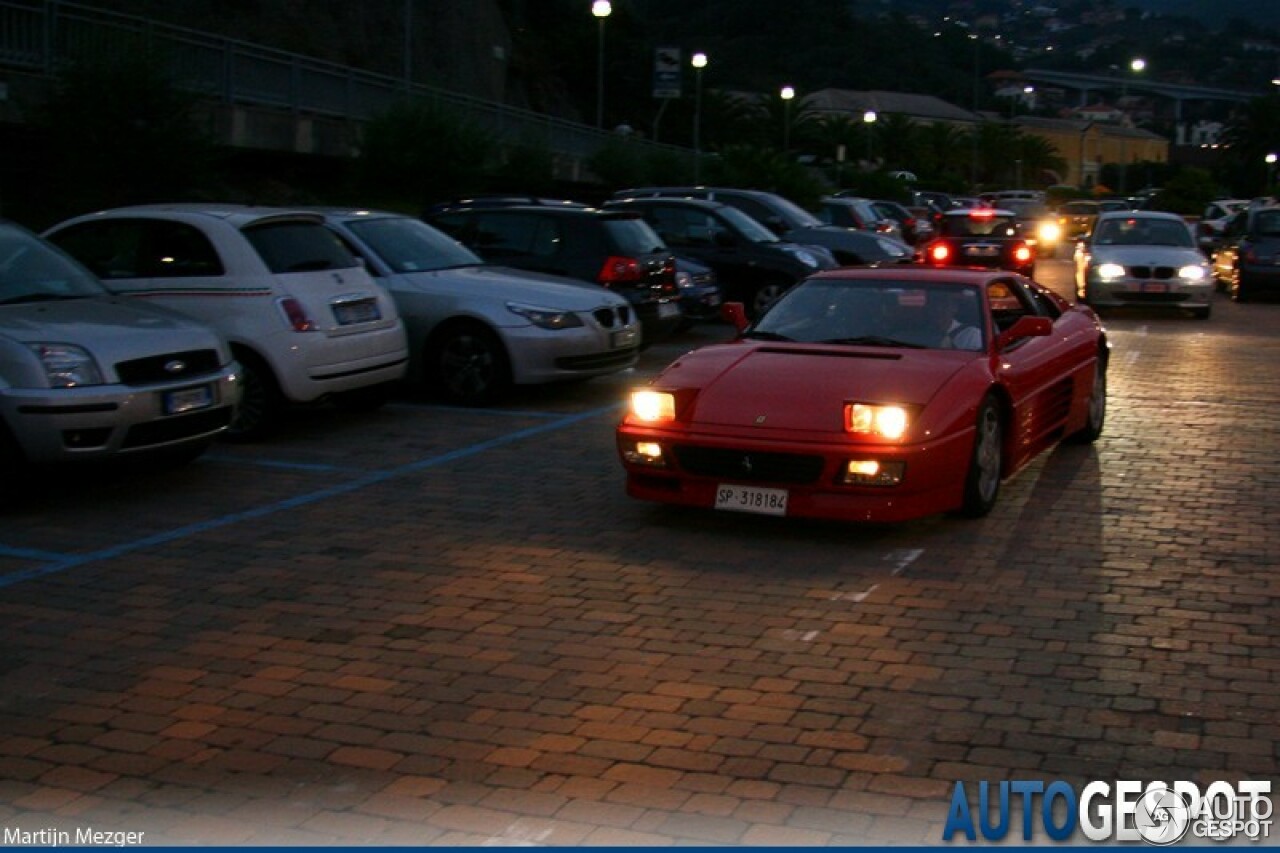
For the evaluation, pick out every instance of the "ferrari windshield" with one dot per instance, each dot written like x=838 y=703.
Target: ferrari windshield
x=882 y=313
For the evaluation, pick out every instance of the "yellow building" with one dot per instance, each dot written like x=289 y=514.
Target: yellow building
x=1087 y=146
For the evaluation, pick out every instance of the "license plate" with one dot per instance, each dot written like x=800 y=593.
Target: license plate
x=982 y=251
x=187 y=400
x=752 y=499
x=349 y=313
x=1154 y=287
x=624 y=338
x=668 y=309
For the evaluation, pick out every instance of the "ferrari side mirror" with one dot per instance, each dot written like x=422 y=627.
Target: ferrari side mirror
x=1025 y=327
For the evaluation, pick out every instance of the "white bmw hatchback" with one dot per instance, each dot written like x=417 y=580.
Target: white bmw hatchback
x=301 y=314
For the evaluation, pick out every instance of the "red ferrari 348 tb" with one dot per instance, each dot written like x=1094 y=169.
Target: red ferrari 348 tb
x=871 y=394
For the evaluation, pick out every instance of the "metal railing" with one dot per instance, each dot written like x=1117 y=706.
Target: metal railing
x=41 y=36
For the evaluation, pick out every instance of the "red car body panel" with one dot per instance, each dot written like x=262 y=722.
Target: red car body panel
x=753 y=397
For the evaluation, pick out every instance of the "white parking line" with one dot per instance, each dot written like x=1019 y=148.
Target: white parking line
x=902 y=558
x=1131 y=357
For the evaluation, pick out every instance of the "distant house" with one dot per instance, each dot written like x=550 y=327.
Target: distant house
x=1087 y=145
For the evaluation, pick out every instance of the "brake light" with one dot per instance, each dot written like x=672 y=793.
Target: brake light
x=296 y=315
x=939 y=253
x=982 y=213
x=620 y=270
x=1022 y=254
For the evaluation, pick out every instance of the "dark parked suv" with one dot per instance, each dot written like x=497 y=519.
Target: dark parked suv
x=616 y=249
x=753 y=266
x=792 y=222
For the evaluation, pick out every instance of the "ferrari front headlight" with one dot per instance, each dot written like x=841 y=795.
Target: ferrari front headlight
x=876 y=420
x=653 y=405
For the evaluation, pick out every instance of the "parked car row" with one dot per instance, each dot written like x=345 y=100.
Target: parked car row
x=156 y=328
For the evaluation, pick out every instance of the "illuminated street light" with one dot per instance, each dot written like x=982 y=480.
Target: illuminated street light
x=868 y=119
x=601 y=9
x=1137 y=66
x=699 y=62
x=786 y=94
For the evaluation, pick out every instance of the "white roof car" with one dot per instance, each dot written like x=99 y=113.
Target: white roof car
x=302 y=316
x=88 y=376
x=474 y=329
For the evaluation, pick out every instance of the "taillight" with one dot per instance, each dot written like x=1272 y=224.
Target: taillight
x=669 y=284
x=939 y=252
x=620 y=270
x=296 y=315
x=1022 y=254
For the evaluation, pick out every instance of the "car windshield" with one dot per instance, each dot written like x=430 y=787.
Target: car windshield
x=980 y=223
x=1142 y=231
x=794 y=215
x=33 y=271
x=879 y=313
x=1025 y=209
x=293 y=247
x=1080 y=208
x=633 y=236
x=407 y=245
x=748 y=227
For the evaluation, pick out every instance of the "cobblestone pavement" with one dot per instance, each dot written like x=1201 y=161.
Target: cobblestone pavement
x=442 y=626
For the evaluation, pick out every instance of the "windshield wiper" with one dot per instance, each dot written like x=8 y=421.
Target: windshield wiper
x=768 y=336
x=874 y=341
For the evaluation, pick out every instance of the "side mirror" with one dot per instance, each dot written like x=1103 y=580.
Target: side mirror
x=1025 y=327
x=735 y=314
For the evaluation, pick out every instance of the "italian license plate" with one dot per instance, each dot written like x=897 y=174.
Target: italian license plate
x=1154 y=287
x=350 y=313
x=668 y=309
x=752 y=499
x=982 y=251
x=624 y=338
x=187 y=400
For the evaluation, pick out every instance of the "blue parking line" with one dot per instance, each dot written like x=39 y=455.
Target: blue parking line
x=62 y=563
x=30 y=554
x=314 y=467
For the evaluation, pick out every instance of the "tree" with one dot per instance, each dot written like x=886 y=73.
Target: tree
x=425 y=152
x=120 y=132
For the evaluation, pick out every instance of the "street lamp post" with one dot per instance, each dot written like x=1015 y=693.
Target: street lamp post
x=868 y=119
x=601 y=9
x=1136 y=66
x=699 y=62
x=1271 y=171
x=787 y=94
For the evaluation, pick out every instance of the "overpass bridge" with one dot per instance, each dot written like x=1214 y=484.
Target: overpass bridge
x=259 y=97
x=1085 y=84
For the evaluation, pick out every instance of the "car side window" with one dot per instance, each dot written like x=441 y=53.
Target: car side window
x=110 y=249
x=676 y=227
x=1009 y=302
x=504 y=235
x=753 y=208
x=176 y=250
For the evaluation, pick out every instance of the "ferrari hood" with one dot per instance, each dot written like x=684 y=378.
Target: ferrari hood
x=804 y=387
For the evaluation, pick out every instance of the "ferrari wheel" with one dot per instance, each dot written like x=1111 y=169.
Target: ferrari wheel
x=982 y=483
x=1097 y=406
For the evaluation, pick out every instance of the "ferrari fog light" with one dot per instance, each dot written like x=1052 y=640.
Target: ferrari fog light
x=644 y=453
x=653 y=405
x=871 y=472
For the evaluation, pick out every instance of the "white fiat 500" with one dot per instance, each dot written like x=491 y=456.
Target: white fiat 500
x=1143 y=257
x=88 y=376
x=302 y=316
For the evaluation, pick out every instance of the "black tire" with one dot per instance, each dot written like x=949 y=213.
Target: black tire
x=468 y=364
x=1097 y=419
x=363 y=400
x=982 y=481
x=765 y=295
x=260 y=401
